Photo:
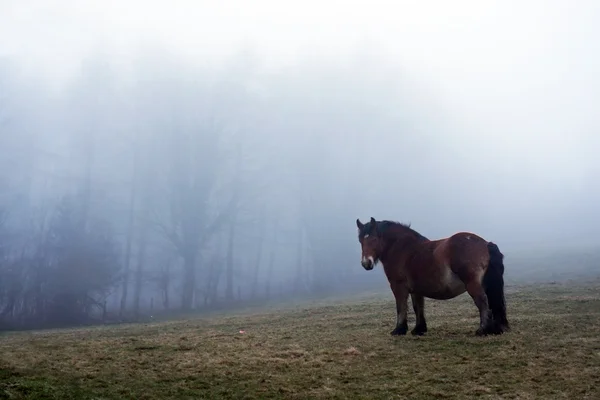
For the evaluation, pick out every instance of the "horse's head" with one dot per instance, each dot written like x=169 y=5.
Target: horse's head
x=370 y=241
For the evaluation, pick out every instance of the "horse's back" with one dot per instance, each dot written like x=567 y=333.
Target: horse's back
x=468 y=237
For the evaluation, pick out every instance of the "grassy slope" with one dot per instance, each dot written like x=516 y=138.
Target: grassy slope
x=330 y=350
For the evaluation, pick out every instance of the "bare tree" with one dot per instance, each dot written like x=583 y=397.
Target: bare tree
x=263 y=223
x=190 y=181
x=130 y=225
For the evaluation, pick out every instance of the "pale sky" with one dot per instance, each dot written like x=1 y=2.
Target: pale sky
x=439 y=36
x=524 y=71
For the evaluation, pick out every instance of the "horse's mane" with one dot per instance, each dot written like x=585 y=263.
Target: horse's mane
x=385 y=225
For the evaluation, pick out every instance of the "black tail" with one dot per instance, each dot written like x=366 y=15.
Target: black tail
x=493 y=282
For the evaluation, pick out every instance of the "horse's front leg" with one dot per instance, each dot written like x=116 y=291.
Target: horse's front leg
x=401 y=294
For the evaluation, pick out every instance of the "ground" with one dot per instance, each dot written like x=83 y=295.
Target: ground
x=335 y=349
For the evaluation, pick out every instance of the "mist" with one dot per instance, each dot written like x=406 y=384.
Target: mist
x=161 y=158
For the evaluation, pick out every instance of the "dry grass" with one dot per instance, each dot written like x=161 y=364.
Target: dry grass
x=330 y=350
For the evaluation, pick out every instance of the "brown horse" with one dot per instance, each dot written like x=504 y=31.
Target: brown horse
x=437 y=269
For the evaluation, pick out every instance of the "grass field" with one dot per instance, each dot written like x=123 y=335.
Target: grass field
x=336 y=349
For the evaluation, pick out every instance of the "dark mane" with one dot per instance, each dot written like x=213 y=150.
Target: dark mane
x=383 y=226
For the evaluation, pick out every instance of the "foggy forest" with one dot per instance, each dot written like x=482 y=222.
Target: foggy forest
x=159 y=182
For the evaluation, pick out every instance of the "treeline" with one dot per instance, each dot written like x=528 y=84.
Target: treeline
x=174 y=187
x=162 y=186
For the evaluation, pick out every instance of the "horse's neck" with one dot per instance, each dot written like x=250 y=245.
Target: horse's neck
x=397 y=252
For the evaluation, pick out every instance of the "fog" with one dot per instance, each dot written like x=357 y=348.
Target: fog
x=194 y=156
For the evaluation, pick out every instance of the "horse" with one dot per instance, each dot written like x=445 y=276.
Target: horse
x=437 y=269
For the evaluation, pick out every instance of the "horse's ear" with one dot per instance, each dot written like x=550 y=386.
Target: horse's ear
x=373 y=225
x=359 y=224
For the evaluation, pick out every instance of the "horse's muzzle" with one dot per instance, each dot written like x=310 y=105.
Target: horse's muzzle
x=367 y=264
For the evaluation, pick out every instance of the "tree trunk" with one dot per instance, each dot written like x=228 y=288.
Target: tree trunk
x=215 y=278
x=270 y=273
x=236 y=200
x=164 y=281
x=256 y=271
x=125 y=283
x=259 y=251
x=229 y=263
x=189 y=279
x=271 y=264
x=130 y=227
x=86 y=190
x=299 y=281
x=139 y=272
x=166 y=298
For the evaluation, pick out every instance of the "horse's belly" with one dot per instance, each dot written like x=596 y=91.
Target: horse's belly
x=448 y=286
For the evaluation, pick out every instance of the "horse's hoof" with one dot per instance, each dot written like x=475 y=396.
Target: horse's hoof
x=480 y=332
x=419 y=330
x=399 y=332
x=493 y=329
x=496 y=330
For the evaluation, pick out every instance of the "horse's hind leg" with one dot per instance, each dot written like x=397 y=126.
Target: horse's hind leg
x=477 y=293
x=418 y=302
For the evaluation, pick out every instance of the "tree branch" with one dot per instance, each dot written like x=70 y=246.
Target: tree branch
x=223 y=217
x=170 y=234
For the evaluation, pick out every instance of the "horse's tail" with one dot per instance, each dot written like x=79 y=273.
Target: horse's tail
x=493 y=282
